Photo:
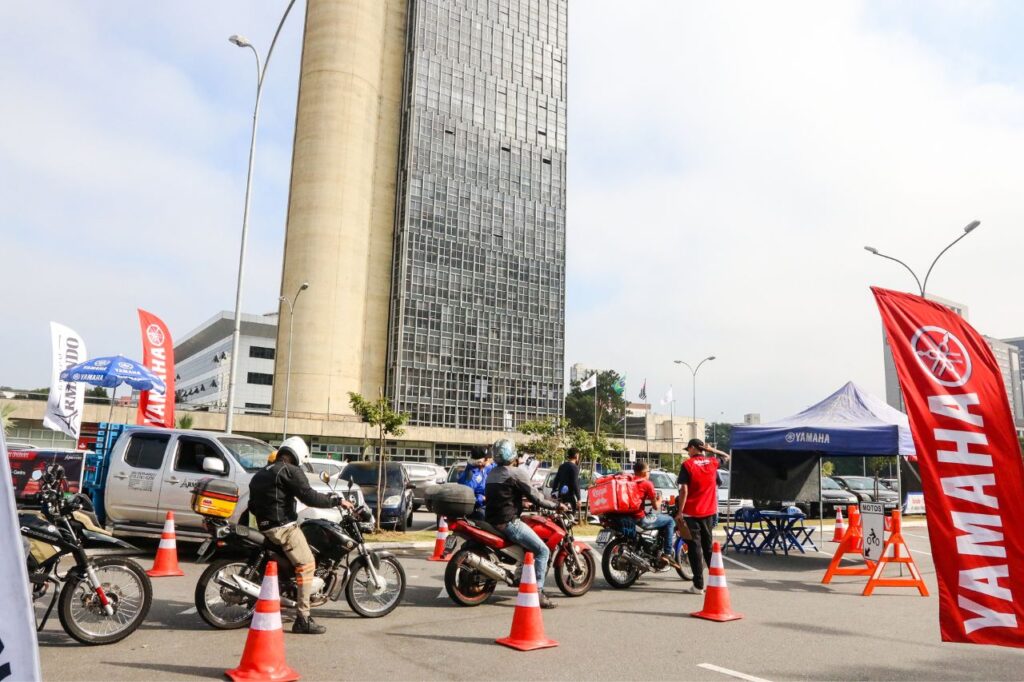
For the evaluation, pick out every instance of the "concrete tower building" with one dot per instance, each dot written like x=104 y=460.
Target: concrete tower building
x=427 y=210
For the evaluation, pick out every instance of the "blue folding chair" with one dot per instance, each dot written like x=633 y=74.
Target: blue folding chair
x=746 y=532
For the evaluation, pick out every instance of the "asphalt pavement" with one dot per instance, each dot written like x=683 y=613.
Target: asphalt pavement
x=793 y=628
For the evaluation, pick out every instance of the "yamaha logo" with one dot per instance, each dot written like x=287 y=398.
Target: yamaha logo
x=101 y=363
x=942 y=355
x=124 y=365
x=808 y=437
x=155 y=335
x=790 y=437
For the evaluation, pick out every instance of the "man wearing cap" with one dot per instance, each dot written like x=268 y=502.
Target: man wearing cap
x=698 y=504
x=475 y=476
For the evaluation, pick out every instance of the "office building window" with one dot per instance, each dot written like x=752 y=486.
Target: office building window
x=261 y=379
x=261 y=352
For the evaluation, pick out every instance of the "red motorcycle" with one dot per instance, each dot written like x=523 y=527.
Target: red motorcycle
x=487 y=557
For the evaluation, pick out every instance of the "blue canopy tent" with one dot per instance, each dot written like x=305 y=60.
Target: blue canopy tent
x=781 y=460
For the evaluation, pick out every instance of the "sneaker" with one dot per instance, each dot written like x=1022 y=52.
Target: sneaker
x=693 y=589
x=307 y=626
x=672 y=562
x=662 y=561
x=545 y=602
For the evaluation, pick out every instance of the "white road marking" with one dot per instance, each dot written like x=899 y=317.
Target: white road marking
x=920 y=551
x=731 y=673
x=442 y=594
x=188 y=612
x=923 y=537
x=739 y=563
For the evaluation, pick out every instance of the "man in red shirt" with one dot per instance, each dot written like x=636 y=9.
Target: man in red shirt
x=663 y=523
x=698 y=504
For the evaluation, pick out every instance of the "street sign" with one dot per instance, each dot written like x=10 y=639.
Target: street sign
x=872 y=525
x=632 y=456
x=914 y=503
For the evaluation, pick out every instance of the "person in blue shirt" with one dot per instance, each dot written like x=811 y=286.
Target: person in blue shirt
x=475 y=476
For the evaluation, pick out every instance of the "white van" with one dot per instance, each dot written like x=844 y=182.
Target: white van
x=152 y=471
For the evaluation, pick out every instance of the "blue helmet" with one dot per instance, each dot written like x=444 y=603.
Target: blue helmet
x=504 y=451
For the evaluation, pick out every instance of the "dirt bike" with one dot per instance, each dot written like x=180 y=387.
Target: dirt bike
x=100 y=600
x=630 y=551
x=486 y=557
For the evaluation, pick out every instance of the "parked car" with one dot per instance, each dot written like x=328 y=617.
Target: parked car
x=152 y=471
x=833 y=496
x=727 y=506
x=396 y=507
x=890 y=483
x=865 y=490
x=423 y=475
x=320 y=464
x=454 y=471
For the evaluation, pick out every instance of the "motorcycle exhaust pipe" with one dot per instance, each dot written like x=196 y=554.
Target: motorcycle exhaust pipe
x=637 y=560
x=249 y=588
x=487 y=567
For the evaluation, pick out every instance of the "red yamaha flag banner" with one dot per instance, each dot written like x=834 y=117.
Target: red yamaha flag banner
x=157 y=409
x=970 y=465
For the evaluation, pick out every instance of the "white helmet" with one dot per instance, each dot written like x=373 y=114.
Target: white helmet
x=298 y=449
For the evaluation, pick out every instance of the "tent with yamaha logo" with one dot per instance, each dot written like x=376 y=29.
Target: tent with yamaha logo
x=781 y=460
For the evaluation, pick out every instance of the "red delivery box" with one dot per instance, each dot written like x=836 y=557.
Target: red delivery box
x=616 y=494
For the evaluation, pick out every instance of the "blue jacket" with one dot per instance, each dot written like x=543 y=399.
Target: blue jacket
x=476 y=478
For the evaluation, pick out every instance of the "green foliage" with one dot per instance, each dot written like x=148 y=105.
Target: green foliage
x=96 y=392
x=720 y=433
x=552 y=437
x=828 y=467
x=878 y=466
x=5 y=417
x=185 y=421
x=378 y=413
x=579 y=405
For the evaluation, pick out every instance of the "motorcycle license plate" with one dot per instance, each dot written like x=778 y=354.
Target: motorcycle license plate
x=449 y=544
x=603 y=538
x=204 y=548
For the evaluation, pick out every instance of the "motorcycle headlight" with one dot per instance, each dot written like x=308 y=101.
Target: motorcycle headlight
x=392 y=501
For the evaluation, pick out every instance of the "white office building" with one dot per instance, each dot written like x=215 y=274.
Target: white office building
x=203 y=363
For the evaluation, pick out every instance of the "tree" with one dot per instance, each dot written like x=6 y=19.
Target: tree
x=185 y=421
x=828 y=468
x=549 y=439
x=579 y=405
x=5 y=417
x=388 y=422
x=720 y=433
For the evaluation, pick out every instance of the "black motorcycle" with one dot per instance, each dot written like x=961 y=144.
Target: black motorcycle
x=100 y=600
x=630 y=551
x=226 y=594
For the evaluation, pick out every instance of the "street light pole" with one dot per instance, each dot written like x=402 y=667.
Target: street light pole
x=694 y=371
x=288 y=371
x=922 y=287
x=261 y=72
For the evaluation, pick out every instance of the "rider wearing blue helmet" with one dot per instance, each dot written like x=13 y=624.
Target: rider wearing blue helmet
x=507 y=485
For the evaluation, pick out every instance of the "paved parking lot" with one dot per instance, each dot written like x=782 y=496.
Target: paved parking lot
x=794 y=628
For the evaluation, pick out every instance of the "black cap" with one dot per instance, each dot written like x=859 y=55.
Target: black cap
x=696 y=443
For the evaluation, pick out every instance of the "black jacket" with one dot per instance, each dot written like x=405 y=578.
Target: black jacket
x=568 y=475
x=273 y=491
x=506 y=487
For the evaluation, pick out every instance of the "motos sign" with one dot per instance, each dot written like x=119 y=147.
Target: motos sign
x=971 y=467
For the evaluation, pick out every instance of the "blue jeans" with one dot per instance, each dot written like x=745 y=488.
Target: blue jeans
x=518 y=532
x=659 y=521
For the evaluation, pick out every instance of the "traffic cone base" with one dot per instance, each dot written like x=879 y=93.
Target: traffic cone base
x=165 y=565
x=717 y=606
x=527 y=623
x=442 y=537
x=263 y=656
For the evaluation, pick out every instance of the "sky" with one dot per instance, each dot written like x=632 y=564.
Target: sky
x=728 y=162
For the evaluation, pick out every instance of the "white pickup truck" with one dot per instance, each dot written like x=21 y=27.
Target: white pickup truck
x=152 y=471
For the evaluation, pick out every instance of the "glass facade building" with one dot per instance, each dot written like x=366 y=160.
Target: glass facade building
x=477 y=320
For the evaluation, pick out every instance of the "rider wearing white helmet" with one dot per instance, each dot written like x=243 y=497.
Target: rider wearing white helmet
x=272 y=495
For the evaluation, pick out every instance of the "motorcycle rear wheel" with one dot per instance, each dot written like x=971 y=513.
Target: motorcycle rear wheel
x=465 y=586
x=576 y=585
x=126 y=586
x=218 y=612
x=683 y=559
x=618 y=578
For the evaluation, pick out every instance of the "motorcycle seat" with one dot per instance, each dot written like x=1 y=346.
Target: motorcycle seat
x=483 y=525
x=252 y=535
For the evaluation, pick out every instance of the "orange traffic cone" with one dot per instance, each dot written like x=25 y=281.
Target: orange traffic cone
x=527 y=626
x=716 y=598
x=166 y=563
x=442 y=537
x=263 y=657
x=840 y=531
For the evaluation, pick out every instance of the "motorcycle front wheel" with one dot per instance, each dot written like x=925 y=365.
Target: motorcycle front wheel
x=464 y=585
x=619 y=572
x=127 y=588
x=572 y=580
x=221 y=606
x=372 y=601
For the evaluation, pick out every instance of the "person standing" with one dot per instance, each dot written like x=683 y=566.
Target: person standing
x=568 y=478
x=698 y=504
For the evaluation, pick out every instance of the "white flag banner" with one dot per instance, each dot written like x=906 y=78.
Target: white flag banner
x=19 y=653
x=590 y=383
x=668 y=397
x=64 y=406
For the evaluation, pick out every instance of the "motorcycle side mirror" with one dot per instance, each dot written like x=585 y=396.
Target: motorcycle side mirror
x=36 y=475
x=325 y=477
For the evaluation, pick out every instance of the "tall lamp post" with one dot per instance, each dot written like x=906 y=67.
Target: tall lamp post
x=693 y=371
x=261 y=72
x=288 y=371
x=923 y=286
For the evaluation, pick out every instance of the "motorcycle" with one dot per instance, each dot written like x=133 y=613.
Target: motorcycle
x=630 y=551
x=226 y=594
x=100 y=600
x=486 y=557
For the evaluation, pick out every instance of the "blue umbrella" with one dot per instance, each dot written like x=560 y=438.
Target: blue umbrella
x=112 y=371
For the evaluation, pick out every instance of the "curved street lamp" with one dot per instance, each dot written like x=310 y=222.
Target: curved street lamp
x=288 y=371
x=693 y=371
x=261 y=72
x=922 y=287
